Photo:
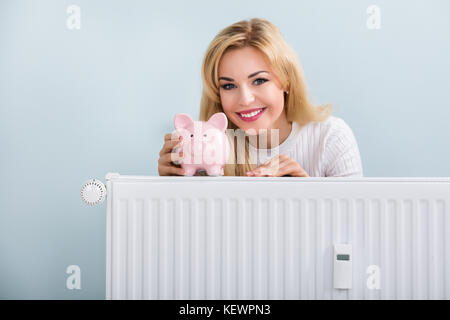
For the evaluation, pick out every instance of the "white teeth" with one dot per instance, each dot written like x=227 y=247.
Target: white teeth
x=249 y=115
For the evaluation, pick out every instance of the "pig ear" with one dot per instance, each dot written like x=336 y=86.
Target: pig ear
x=182 y=121
x=219 y=121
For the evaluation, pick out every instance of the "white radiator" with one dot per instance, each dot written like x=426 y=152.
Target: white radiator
x=273 y=238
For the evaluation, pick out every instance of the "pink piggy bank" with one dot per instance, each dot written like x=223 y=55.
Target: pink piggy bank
x=205 y=145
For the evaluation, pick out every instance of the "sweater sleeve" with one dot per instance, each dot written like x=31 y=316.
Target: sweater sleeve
x=341 y=156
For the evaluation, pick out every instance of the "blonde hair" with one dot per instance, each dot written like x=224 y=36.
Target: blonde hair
x=263 y=35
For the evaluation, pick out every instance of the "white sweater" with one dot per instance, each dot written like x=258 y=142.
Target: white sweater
x=323 y=149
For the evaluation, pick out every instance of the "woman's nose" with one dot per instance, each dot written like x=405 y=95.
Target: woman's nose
x=246 y=97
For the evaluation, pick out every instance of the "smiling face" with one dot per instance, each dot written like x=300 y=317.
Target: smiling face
x=250 y=93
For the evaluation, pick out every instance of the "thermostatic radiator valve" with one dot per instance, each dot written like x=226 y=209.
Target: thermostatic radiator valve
x=93 y=192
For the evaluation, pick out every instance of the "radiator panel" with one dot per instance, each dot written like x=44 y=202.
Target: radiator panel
x=251 y=238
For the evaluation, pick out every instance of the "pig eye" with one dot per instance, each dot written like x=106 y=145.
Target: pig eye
x=204 y=135
x=192 y=135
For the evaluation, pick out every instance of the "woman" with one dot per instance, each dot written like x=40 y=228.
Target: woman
x=252 y=75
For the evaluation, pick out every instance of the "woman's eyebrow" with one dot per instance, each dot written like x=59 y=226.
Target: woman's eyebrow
x=252 y=75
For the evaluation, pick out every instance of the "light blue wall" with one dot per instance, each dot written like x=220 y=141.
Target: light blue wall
x=76 y=104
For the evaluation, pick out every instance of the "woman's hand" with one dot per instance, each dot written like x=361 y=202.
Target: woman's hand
x=165 y=165
x=278 y=166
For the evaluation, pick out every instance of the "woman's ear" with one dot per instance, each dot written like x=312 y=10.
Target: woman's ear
x=182 y=121
x=219 y=120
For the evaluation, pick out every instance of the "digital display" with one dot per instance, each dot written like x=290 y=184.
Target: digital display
x=343 y=257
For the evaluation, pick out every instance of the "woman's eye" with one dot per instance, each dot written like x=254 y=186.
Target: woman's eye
x=262 y=79
x=225 y=86
x=230 y=86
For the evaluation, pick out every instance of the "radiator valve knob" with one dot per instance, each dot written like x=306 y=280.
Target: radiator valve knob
x=93 y=192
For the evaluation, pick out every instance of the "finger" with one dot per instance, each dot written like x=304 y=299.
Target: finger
x=172 y=170
x=293 y=169
x=169 y=158
x=276 y=160
x=259 y=170
x=174 y=136
x=166 y=159
x=175 y=157
x=272 y=169
x=263 y=172
x=270 y=161
x=275 y=166
x=287 y=166
x=286 y=170
x=168 y=146
x=271 y=166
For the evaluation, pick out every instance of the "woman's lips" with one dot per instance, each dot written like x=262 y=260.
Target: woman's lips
x=255 y=117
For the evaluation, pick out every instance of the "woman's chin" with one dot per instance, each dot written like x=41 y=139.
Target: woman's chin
x=250 y=131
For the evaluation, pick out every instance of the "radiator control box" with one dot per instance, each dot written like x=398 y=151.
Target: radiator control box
x=342 y=266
